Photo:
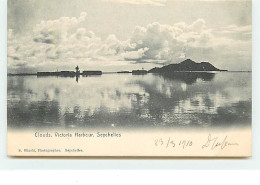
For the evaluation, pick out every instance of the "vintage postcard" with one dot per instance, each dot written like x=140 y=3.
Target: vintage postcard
x=151 y=78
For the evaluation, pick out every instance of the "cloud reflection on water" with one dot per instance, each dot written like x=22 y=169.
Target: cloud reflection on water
x=123 y=100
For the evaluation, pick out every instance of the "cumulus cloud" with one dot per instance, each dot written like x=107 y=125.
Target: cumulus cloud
x=169 y=42
x=64 y=42
x=134 y=55
x=54 y=31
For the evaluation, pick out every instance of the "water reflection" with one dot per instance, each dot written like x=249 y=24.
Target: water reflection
x=124 y=100
x=189 y=77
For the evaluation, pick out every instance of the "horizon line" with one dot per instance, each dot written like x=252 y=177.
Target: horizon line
x=108 y=72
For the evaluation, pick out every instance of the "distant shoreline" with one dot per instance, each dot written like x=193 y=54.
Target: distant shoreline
x=35 y=74
x=185 y=66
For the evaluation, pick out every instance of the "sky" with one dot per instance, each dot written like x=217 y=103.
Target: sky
x=115 y=35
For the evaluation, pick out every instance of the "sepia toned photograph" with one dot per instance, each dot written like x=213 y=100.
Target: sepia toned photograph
x=129 y=78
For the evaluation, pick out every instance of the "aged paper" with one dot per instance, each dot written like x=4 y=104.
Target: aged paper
x=138 y=78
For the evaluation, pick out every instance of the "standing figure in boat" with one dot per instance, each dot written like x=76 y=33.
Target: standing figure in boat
x=77 y=73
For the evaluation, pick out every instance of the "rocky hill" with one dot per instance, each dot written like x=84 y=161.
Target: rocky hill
x=186 y=65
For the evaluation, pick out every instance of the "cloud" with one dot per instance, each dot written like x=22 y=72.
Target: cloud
x=64 y=42
x=135 y=55
x=227 y=48
x=54 y=31
x=166 y=42
x=235 y=32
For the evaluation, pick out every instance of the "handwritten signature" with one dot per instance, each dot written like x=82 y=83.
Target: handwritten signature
x=216 y=142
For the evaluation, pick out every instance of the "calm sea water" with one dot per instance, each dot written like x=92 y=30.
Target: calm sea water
x=130 y=101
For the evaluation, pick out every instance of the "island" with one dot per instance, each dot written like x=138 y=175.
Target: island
x=185 y=66
x=139 y=72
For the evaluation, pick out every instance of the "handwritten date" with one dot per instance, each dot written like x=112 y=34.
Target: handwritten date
x=172 y=143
